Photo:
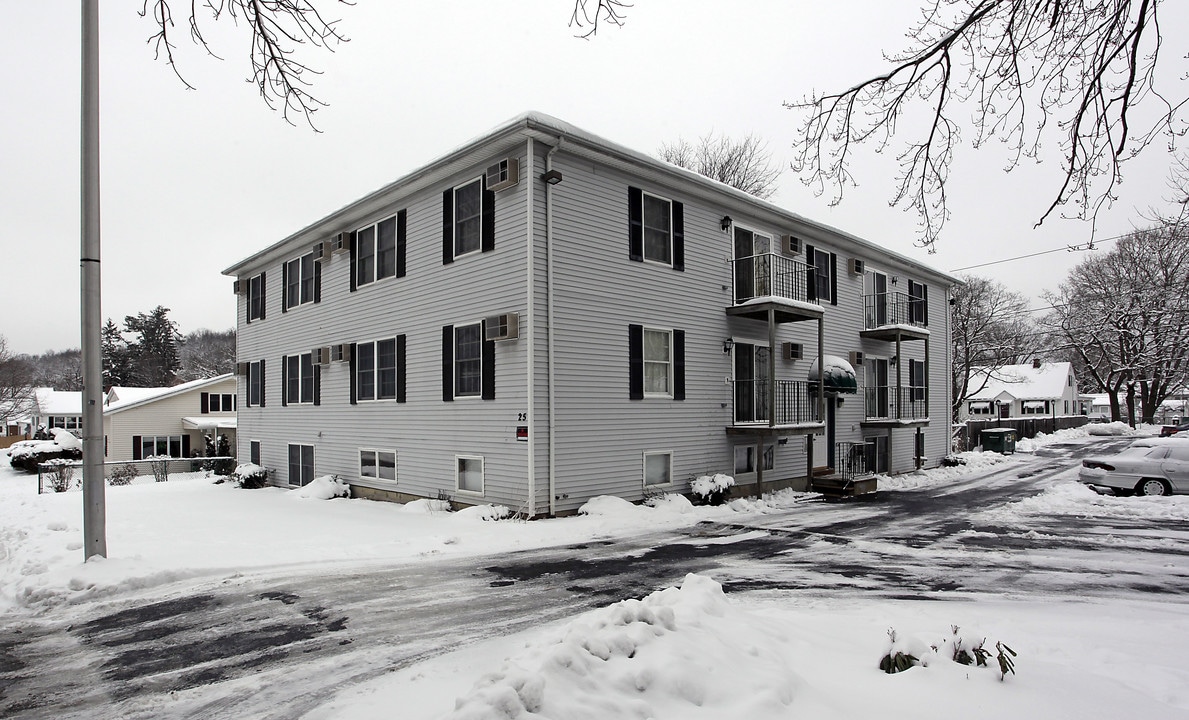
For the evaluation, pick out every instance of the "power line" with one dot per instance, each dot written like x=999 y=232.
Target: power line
x=1083 y=247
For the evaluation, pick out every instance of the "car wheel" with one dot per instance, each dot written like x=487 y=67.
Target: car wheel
x=1151 y=486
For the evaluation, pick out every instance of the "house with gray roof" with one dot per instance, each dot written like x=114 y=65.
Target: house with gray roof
x=1030 y=390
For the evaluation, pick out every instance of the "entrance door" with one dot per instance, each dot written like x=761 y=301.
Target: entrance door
x=877 y=454
x=751 y=382
x=875 y=288
x=752 y=264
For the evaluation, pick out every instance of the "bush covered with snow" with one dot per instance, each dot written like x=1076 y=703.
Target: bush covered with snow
x=712 y=489
x=484 y=512
x=326 y=487
x=122 y=474
x=28 y=454
x=250 y=476
x=59 y=474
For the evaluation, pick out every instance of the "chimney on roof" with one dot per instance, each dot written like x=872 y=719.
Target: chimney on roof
x=1035 y=363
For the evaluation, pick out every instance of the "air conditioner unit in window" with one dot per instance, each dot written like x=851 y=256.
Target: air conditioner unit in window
x=856 y=358
x=790 y=244
x=340 y=352
x=503 y=327
x=503 y=174
x=242 y=368
x=321 y=355
x=856 y=266
x=240 y=287
x=791 y=350
x=340 y=243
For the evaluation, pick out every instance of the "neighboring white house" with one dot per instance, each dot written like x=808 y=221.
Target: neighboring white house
x=542 y=316
x=57 y=409
x=1036 y=389
x=140 y=422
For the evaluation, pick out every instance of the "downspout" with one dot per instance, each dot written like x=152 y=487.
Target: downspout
x=532 y=436
x=549 y=325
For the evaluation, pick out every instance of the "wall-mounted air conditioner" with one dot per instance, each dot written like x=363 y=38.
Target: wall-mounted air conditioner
x=856 y=358
x=240 y=287
x=321 y=355
x=340 y=243
x=790 y=245
x=340 y=352
x=503 y=174
x=791 y=350
x=503 y=327
x=242 y=369
x=856 y=266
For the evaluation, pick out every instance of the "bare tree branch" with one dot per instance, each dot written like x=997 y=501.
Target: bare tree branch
x=278 y=28
x=605 y=10
x=744 y=163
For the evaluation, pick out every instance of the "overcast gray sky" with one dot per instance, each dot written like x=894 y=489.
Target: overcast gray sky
x=194 y=180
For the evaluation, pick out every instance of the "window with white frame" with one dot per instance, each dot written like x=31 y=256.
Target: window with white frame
x=468 y=217
x=220 y=402
x=1035 y=407
x=468 y=360
x=658 y=363
x=978 y=407
x=301 y=464
x=299 y=280
x=256 y=297
x=469 y=474
x=658 y=468
x=256 y=383
x=378 y=464
x=657 y=215
x=745 y=458
x=166 y=445
x=299 y=378
x=375 y=256
x=375 y=370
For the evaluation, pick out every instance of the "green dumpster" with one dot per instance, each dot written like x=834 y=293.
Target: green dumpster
x=1000 y=440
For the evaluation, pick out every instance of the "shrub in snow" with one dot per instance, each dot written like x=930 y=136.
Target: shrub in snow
x=250 y=476
x=322 y=488
x=121 y=475
x=964 y=649
x=28 y=454
x=160 y=466
x=59 y=474
x=485 y=512
x=897 y=660
x=712 y=489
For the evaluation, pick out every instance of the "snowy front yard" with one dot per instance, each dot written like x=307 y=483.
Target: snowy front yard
x=682 y=652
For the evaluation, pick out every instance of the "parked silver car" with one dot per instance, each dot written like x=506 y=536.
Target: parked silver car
x=1145 y=468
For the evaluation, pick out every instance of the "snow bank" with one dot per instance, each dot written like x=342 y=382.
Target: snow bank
x=674 y=654
x=972 y=462
x=1072 y=499
x=1032 y=444
x=321 y=488
x=1111 y=428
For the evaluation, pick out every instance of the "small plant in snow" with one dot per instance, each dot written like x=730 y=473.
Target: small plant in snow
x=900 y=657
x=250 y=476
x=896 y=660
x=1006 y=664
x=59 y=473
x=121 y=475
x=160 y=466
x=712 y=489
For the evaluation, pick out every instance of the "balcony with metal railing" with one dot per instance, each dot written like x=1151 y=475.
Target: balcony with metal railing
x=894 y=315
x=787 y=408
x=895 y=406
x=770 y=282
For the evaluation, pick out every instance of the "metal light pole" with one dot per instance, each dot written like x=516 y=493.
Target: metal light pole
x=94 y=512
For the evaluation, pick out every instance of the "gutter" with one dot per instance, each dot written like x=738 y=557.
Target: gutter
x=549 y=324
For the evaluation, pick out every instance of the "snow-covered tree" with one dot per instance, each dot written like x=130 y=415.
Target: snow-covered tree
x=991 y=329
x=742 y=163
x=155 y=354
x=207 y=353
x=16 y=385
x=1125 y=317
x=117 y=360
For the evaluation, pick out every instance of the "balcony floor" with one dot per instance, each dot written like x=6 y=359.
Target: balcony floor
x=895 y=422
x=766 y=430
x=890 y=333
x=785 y=310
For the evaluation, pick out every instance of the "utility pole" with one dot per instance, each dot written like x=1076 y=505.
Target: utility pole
x=94 y=511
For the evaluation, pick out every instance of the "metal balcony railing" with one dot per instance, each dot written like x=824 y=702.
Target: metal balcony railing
x=892 y=308
x=769 y=275
x=794 y=404
x=890 y=402
x=853 y=460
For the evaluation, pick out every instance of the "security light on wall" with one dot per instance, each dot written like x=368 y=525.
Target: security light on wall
x=552 y=177
x=728 y=344
x=726 y=222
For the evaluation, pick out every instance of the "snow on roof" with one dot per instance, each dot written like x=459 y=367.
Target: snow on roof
x=122 y=398
x=1023 y=382
x=59 y=402
x=209 y=422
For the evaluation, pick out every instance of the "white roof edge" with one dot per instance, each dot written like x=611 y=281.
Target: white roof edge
x=168 y=392
x=542 y=122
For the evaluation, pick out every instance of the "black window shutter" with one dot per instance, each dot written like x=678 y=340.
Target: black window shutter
x=284 y=287
x=678 y=236
x=351 y=371
x=635 y=362
x=635 y=224
x=488 y=364
x=317 y=384
x=262 y=383
x=186 y=445
x=833 y=279
x=317 y=281
x=354 y=259
x=263 y=297
x=678 y=364
x=234 y=399
x=204 y=403
x=401 y=222
x=137 y=453
x=284 y=381
x=400 y=368
x=924 y=304
x=811 y=275
x=487 y=234
x=448 y=227
x=448 y=363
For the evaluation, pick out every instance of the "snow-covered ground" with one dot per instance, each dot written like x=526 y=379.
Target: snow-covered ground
x=682 y=652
